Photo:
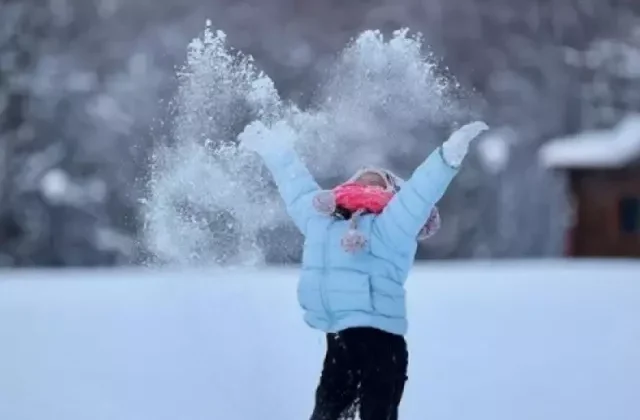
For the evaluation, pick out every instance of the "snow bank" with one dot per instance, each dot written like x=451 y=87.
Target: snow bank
x=596 y=149
x=525 y=341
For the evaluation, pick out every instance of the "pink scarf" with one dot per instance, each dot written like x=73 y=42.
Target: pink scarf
x=354 y=197
x=360 y=199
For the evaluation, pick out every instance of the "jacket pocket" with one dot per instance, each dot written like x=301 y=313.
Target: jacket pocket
x=350 y=292
x=308 y=293
x=388 y=298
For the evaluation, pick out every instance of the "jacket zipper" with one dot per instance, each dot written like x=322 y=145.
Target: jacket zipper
x=323 y=295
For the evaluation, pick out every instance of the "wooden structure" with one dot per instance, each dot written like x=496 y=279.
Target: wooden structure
x=604 y=173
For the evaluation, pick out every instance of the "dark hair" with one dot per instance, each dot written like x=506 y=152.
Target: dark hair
x=342 y=213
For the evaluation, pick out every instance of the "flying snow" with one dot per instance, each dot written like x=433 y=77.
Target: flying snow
x=208 y=200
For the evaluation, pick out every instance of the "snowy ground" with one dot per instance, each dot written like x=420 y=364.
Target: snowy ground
x=508 y=341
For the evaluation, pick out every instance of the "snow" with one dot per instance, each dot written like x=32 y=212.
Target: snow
x=58 y=187
x=612 y=148
x=54 y=184
x=552 y=340
x=494 y=150
x=369 y=104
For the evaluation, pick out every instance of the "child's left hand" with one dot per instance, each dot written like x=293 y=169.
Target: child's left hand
x=455 y=148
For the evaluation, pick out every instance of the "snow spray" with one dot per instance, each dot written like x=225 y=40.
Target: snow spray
x=209 y=201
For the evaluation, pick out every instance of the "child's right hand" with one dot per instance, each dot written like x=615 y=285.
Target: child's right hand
x=252 y=136
x=258 y=137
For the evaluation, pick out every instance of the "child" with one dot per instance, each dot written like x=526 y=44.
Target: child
x=356 y=258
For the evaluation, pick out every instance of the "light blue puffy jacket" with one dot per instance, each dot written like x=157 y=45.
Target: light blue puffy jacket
x=339 y=290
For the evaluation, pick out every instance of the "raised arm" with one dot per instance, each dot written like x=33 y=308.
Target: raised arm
x=405 y=215
x=294 y=181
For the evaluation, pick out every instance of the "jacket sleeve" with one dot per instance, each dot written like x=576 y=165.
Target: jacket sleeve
x=405 y=215
x=295 y=183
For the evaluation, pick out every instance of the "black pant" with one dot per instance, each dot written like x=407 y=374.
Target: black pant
x=365 y=369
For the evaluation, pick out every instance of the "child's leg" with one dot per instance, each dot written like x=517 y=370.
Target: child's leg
x=384 y=373
x=336 y=393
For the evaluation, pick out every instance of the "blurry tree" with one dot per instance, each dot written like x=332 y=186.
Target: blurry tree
x=17 y=36
x=82 y=84
x=78 y=103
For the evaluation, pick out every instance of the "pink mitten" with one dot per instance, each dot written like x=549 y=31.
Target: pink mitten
x=432 y=226
x=325 y=202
